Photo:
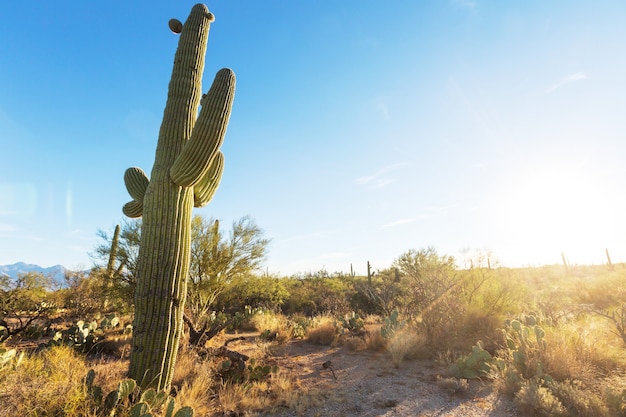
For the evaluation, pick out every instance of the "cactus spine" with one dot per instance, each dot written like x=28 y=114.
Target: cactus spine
x=186 y=173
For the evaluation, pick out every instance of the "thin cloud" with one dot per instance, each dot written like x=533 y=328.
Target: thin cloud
x=380 y=179
x=566 y=80
x=426 y=213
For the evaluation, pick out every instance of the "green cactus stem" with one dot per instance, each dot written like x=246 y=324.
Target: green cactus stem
x=110 y=271
x=186 y=173
x=113 y=253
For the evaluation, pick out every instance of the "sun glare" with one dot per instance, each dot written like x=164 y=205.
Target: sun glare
x=556 y=208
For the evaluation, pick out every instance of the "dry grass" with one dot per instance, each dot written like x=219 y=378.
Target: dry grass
x=197 y=392
x=277 y=324
x=46 y=384
x=52 y=384
x=324 y=331
x=452 y=385
x=407 y=344
x=374 y=341
x=583 y=350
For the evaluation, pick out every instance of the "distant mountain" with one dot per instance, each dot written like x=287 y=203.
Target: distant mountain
x=57 y=272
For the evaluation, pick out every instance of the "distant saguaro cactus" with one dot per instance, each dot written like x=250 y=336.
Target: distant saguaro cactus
x=110 y=271
x=186 y=173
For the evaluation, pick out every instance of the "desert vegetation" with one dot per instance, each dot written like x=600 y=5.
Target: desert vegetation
x=550 y=338
x=176 y=319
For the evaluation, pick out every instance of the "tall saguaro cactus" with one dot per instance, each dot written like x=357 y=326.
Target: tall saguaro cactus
x=186 y=173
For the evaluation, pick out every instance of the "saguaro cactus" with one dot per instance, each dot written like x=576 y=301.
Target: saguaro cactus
x=187 y=170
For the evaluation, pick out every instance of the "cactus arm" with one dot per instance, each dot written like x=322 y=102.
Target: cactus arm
x=136 y=182
x=204 y=190
x=133 y=209
x=208 y=132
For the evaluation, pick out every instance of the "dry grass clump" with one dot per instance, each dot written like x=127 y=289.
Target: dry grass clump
x=272 y=324
x=374 y=341
x=453 y=385
x=280 y=391
x=477 y=325
x=46 y=384
x=534 y=399
x=408 y=344
x=583 y=350
x=197 y=392
x=579 y=400
x=324 y=331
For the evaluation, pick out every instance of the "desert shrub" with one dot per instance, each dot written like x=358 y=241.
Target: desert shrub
x=440 y=322
x=324 y=331
x=578 y=400
x=535 y=399
x=406 y=344
x=374 y=341
x=477 y=325
x=615 y=400
x=24 y=303
x=300 y=300
x=352 y=322
x=380 y=294
x=230 y=371
x=572 y=353
x=264 y=292
x=273 y=326
x=84 y=294
x=319 y=293
x=493 y=291
x=353 y=343
x=453 y=385
x=299 y=325
x=425 y=277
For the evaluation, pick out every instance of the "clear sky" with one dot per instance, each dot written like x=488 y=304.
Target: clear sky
x=360 y=129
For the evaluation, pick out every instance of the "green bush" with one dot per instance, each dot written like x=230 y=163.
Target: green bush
x=535 y=399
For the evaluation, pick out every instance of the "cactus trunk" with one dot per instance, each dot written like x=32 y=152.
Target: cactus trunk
x=110 y=272
x=186 y=172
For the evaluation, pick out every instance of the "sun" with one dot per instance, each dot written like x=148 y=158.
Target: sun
x=556 y=208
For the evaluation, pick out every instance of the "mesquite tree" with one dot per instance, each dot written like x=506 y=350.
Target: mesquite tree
x=186 y=173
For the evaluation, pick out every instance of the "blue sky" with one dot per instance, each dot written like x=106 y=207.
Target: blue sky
x=360 y=129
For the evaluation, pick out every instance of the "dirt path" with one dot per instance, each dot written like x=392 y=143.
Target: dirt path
x=368 y=385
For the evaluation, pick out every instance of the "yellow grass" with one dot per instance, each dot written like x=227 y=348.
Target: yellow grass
x=405 y=343
x=324 y=331
x=46 y=384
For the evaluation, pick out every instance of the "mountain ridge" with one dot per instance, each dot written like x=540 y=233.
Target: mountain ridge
x=56 y=272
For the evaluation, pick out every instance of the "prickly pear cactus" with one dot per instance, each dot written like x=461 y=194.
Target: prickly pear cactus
x=186 y=173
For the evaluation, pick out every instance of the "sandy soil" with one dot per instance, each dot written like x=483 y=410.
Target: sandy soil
x=368 y=385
